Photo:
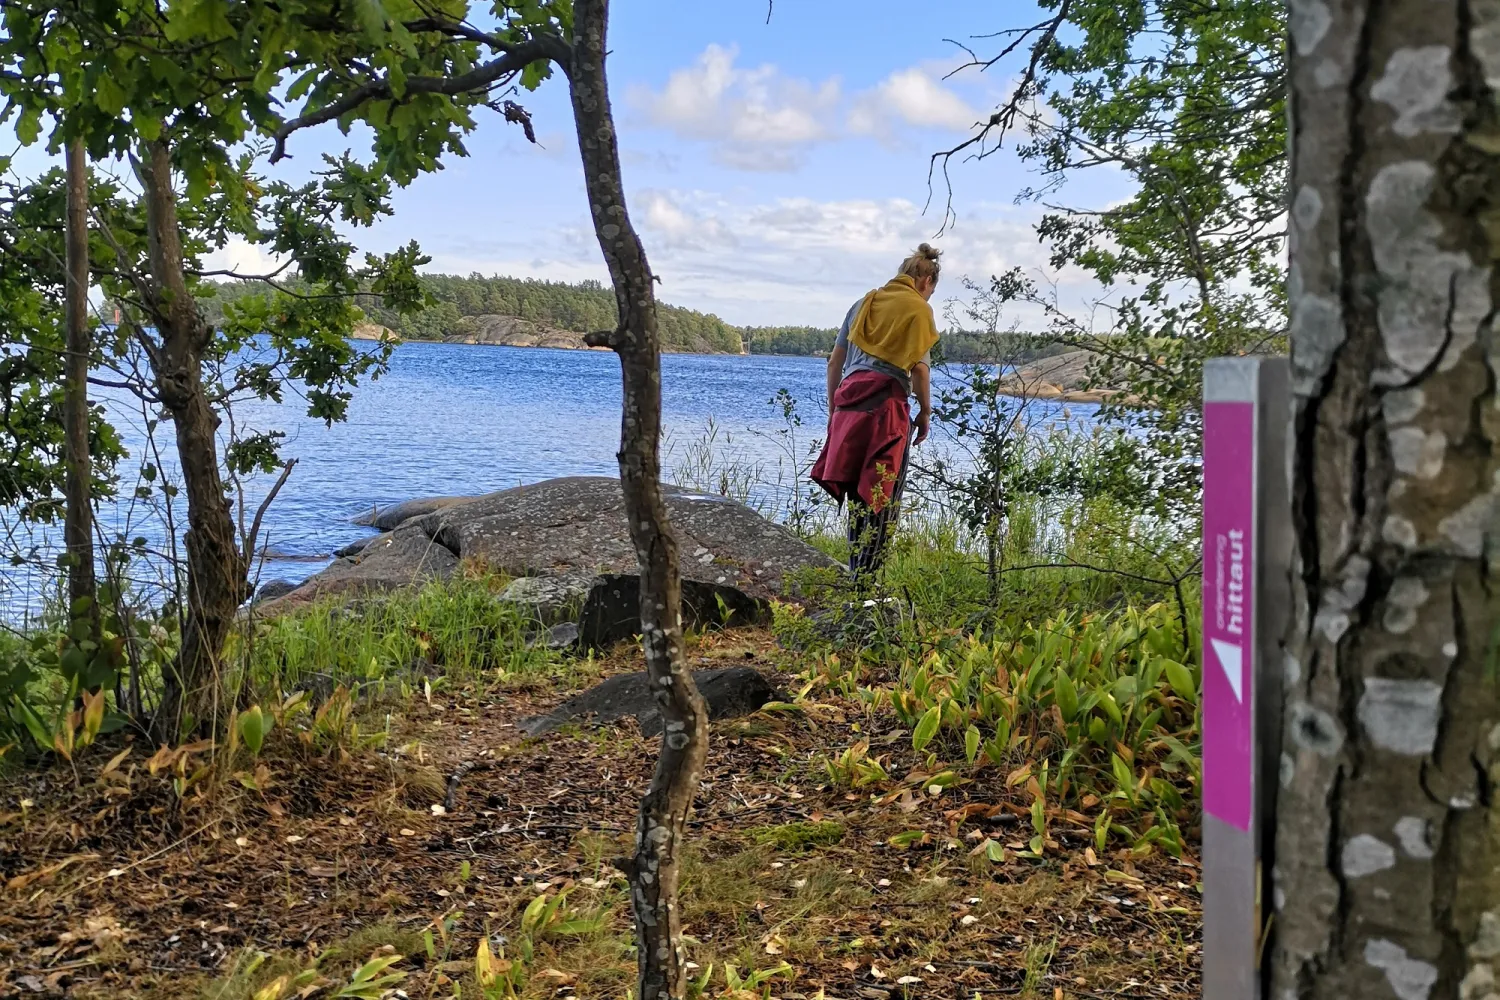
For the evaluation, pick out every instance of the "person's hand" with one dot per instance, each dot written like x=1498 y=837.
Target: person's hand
x=923 y=427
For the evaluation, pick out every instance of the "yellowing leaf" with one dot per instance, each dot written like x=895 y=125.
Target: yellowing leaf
x=484 y=964
x=927 y=728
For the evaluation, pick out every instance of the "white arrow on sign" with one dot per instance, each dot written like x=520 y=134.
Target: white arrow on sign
x=1232 y=659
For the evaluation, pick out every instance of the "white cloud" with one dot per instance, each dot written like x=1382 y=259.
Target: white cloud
x=800 y=260
x=756 y=118
x=915 y=97
x=681 y=227
x=242 y=257
x=760 y=119
x=771 y=262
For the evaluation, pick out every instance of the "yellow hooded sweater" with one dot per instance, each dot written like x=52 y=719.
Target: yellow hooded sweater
x=895 y=324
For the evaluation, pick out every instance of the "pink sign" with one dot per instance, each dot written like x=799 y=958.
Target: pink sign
x=1228 y=622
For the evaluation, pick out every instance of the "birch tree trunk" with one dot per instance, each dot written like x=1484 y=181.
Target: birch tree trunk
x=660 y=827
x=217 y=579
x=1388 y=840
x=78 y=518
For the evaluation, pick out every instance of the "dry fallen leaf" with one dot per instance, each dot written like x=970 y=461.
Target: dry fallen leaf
x=21 y=881
x=294 y=839
x=97 y=932
x=405 y=832
x=241 y=841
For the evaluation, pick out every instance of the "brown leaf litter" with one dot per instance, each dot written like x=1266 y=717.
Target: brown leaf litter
x=120 y=883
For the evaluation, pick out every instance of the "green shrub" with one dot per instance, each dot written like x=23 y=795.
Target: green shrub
x=1103 y=708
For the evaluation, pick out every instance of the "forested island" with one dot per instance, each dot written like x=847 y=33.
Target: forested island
x=530 y=312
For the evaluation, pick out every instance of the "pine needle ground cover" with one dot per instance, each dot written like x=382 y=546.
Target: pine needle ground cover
x=901 y=830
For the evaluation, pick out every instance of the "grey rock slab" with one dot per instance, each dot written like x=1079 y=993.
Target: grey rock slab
x=392 y=517
x=563 y=635
x=405 y=557
x=578 y=524
x=730 y=692
x=353 y=548
x=548 y=599
x=272 y=589
x=575 y=531
x=613 y=609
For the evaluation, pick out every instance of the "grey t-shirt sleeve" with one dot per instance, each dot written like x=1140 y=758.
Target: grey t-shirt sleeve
x=843 y=338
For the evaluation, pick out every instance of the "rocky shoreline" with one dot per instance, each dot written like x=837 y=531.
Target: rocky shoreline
x=1062 y=378
x=511 y=331
x=566 y=546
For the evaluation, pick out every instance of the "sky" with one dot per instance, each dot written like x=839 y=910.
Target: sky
x=776 y=171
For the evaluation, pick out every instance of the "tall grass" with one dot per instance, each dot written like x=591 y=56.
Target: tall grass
x=457 y=628
x=1058 y=548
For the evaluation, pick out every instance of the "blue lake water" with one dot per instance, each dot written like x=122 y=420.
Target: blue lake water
x=453 y=419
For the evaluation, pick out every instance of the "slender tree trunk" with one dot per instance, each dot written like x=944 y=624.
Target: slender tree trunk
x=78 y=523
x=218 y=581
x=1387 y=855
x=992 y=556
x=664 y=809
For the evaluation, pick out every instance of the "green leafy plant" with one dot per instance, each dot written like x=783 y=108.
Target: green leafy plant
x=253 y=725
x=335 y=729
x=1103 y=707
x=372 y=980
x=499 y=978
x=855 y=768
x=550 y=916
x=756 y=980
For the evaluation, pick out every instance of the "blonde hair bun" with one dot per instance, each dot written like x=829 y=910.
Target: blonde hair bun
x=923 y=263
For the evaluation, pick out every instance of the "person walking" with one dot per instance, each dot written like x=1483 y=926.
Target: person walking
x=882 y=357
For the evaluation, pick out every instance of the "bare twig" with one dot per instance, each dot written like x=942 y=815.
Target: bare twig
x=450 y=800
x=265 y=505
x=1005 y=117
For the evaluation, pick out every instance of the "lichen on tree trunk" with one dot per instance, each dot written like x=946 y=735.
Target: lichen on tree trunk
x=1388 y=831
x=663 y=814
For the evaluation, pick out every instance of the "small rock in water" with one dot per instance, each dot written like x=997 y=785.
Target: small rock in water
x=274 y=588
x=353 y=548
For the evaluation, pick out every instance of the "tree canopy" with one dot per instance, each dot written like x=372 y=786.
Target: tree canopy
x=1187 y=102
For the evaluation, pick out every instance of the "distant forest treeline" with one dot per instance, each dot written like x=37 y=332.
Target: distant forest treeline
x=955 y=346
x=590 y=305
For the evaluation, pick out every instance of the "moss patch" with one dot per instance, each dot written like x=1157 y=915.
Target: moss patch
x=799 y=836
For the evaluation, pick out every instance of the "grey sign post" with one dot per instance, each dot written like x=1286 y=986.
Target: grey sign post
x=1247 y=545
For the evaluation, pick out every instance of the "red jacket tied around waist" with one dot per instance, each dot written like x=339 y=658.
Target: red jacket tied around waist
x=866 y=440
